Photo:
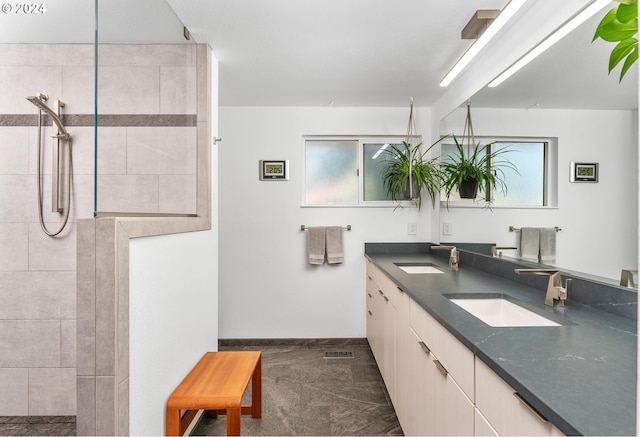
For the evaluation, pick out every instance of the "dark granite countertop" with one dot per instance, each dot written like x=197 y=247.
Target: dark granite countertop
x=581 y=376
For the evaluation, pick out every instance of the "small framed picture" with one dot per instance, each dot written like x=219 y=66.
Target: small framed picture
x=584 y=172
x=274 y=170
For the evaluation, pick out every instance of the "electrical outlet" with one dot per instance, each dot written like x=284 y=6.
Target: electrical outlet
x=446 y=229
x=412 y=228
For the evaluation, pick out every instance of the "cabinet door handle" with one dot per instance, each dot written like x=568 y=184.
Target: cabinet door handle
x=381 y=293
x=369 y=294
x=370 y=313
x=385 y=298
x=401 y=290
x=535 y=412
x=440 y=367
x=424 y=347
x=370 y=278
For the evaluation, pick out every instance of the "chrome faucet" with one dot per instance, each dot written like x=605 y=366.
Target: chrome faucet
x=556 y=293
x=453 y=257
x=495 y=250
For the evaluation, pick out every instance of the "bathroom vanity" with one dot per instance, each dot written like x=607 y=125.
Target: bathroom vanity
x=450 y=373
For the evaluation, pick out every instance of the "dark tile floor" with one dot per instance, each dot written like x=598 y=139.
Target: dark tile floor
x=37 y=425
x=303 y=394
x=307 y=394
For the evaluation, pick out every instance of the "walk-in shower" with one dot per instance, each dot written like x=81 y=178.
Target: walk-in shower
x=58 y=192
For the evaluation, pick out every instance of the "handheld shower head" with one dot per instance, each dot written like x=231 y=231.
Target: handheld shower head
x=39 y=102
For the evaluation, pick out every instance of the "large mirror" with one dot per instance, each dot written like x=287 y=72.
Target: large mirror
x=567 y=96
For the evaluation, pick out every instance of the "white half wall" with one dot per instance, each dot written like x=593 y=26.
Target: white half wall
x=599 y=221
x=267 y=287
x=173 y=319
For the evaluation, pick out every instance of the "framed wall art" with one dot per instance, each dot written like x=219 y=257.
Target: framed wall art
x=274 y=170
x=584 y=172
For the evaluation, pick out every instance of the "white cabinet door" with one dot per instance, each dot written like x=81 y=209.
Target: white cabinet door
x=503 y=410
x=415 y=421
x=381 y=324
x=482 y=426
x=404 y=377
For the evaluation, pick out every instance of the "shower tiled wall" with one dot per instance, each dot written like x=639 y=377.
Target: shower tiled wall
x=147 y=163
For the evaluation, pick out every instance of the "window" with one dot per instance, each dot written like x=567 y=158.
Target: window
x=346 y=171
x=530 y=186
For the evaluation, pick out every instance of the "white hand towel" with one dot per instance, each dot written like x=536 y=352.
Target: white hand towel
x=335 y=254
x=316 y=245
x=547 y=245
x=529 y=244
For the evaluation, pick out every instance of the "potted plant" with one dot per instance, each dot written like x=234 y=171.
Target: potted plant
x=474 y=169
x=407 y=163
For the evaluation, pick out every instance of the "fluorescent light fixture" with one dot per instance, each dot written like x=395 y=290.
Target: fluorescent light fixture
x=556 y=36
x=505 y=15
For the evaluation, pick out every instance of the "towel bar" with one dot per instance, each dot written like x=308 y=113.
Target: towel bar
x=304 y=228
x=514 y=229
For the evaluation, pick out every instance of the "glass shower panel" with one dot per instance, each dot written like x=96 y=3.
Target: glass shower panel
x=146 y=111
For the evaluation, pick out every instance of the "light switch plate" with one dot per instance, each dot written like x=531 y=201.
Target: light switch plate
x=446 y=229
x=412 y=228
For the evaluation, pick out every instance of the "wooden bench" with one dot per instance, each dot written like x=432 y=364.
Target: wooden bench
x=217 y=383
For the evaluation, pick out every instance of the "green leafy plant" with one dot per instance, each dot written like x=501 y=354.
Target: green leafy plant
x=406 y=159
x=475 y=163
x=620 y=25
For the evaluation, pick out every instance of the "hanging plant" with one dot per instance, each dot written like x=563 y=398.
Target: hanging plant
x=408 y=171
x=620 y=25
x=475 y=169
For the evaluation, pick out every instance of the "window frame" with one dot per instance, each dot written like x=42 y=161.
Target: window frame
x=361 y=141
x=550 y=176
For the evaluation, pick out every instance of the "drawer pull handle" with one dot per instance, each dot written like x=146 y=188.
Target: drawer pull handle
x=370 y=278
x=535 y=412
x=401 y=290
x=424 y=347
x=369 y=294
x=381 y=293
x=370 y=313
x=440 y=367
x=385 y=298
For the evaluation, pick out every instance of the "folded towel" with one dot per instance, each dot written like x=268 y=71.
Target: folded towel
x=548 y=245
x=315 y=244
x=335 y=254
x=529 y=244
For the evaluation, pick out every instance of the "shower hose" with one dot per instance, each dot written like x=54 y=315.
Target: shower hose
x=39 y=183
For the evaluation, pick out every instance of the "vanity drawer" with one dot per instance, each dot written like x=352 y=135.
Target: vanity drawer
x=504 y=411
x=456 y=358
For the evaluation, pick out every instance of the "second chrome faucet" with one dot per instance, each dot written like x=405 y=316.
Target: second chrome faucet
x=556 y=293
x=453 y=257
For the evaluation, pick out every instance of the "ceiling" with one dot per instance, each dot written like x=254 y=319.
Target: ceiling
x=337 y=52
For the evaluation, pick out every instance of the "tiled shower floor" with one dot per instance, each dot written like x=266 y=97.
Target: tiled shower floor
x=37 y=425
x=306 y=394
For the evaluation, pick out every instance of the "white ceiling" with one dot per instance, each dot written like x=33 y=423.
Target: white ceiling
x=337 y=52
x=380 y=52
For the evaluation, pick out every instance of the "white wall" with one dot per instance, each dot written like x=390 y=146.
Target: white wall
x=599 y=221
x=267 y=287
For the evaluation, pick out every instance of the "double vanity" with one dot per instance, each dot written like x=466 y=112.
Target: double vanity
x=475 y=351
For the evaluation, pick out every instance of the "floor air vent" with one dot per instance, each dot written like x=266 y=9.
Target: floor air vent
x=338 y=354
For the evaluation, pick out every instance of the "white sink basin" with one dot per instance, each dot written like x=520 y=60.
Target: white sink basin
x=418 y=269
x=500 y=312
